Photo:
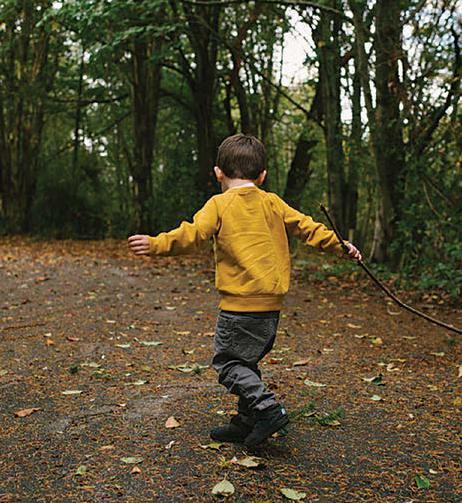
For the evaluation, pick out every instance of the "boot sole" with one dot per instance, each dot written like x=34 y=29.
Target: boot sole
x=233 y=440
x=283 y=421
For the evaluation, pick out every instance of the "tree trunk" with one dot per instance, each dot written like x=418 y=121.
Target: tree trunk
x=203 y=25
x=27 y=78
x=326 y=36
x=299 y=172
x=78 y=121
x=354 y=157
x=146 y=78
x=389 y=146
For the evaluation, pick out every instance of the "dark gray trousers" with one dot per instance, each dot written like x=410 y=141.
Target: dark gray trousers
x=241 y=341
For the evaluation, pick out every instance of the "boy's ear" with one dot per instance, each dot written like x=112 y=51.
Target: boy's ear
x=261 y=178
x=218 y=173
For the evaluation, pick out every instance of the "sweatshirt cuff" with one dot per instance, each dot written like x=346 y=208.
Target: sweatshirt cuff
x=152 y=244
x=340 y=251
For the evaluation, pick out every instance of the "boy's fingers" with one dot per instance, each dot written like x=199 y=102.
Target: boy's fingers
x=140 y=248
x=138 y=242
x=137 y=237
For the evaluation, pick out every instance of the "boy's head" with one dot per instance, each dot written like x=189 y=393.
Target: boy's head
x=242 y=156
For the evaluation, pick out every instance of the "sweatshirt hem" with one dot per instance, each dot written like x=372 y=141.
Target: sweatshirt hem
x=251 y=303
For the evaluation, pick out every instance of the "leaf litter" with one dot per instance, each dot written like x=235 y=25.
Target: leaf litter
x=78 y=268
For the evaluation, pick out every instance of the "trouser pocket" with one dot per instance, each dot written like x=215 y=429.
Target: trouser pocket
x=253 y=337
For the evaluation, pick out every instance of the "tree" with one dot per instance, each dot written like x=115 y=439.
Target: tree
x=27 y=70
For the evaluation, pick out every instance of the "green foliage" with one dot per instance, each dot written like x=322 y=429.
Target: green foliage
x=64 y=208
x=80 y=74
x=428 y=237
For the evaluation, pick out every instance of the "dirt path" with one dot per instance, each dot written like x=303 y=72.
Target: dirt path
x=84 y=317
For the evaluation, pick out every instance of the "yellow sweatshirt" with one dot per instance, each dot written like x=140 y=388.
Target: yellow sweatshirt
x=249 y=227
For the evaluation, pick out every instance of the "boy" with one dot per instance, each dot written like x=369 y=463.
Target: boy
x=249 y=227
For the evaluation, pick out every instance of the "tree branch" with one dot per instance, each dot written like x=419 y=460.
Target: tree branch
x=452 y=96
x=288 y=3
x=89 y=102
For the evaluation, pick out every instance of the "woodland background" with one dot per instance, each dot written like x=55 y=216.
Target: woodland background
x=111 y=112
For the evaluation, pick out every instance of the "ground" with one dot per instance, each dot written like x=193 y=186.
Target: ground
x=84 y=317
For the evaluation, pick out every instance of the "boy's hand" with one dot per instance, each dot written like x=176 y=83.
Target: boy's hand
x=139 y=244
x=353 y=252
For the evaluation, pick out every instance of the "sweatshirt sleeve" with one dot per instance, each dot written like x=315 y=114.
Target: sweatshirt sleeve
x=310 y=232
x=188 y=237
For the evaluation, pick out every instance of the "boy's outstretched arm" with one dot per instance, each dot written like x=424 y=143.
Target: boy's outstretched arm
x=184 y=239
x=314 y=233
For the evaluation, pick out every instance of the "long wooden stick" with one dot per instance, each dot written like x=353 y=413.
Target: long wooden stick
x=386 y=289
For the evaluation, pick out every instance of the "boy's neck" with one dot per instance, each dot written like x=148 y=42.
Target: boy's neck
x=234 y=183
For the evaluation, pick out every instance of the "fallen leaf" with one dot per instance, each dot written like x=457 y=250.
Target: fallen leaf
x=275 y=361
x=132 y=460
x=26 y=412
x=81 y=470
x=377 y=341
x=213 y=445
x=135 y=470
x=248 y=461
x=140 y=382
x=292 y=494
x=301 y=362
x=151 y=343
x=223 y=488
x=172 y=423
x=312 y=383
x=352 y=325
x=72 y=339
x=49 y=342
x=71 y=392
x=331 y=422
x=170 y=308
x=422 y=482
x=377 y=380
x=187 y=368
x=376 y=398
x=4 y=372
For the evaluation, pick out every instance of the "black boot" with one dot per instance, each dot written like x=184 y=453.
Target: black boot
x=268 y=421
x=236 y=431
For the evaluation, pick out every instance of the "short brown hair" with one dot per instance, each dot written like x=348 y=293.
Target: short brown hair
x=242 y=156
